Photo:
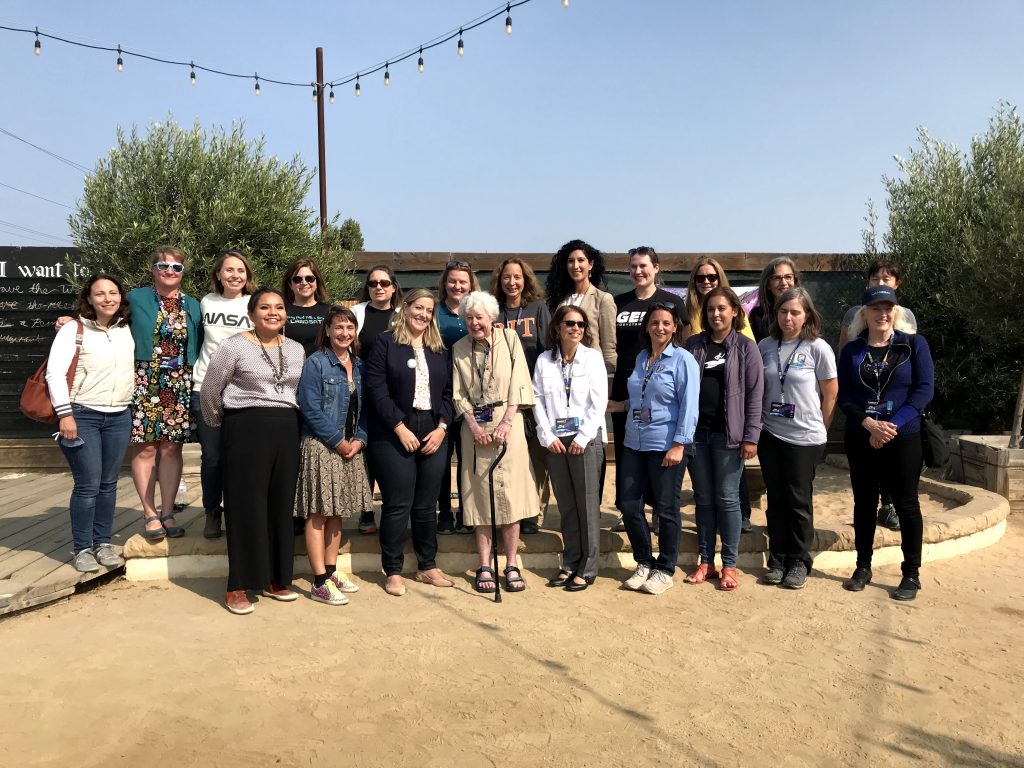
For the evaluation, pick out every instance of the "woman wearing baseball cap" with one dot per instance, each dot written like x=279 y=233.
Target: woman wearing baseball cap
x=886 y=380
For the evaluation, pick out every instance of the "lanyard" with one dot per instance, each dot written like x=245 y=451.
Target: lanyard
x=519 y=316
x=478 y=370
x=649 y=370
x=567 y=378
x=783 y=372
x=878 y=366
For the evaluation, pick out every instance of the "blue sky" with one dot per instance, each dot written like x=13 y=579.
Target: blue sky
x=735 y=125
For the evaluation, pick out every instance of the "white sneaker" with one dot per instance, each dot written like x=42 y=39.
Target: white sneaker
x=328 y=594
x=639 y=578
x=657 y=583
x=343 y=582
x=106 y=556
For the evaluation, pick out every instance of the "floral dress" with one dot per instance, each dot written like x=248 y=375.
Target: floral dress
x=163 y=384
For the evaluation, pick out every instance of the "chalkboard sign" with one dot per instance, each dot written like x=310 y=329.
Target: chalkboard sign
x=34 y=292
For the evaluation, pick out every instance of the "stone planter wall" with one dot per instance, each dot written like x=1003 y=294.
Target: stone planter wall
x=987 y=462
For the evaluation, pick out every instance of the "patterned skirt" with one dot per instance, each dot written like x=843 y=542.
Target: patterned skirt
x=160 y=404
x=328 y=485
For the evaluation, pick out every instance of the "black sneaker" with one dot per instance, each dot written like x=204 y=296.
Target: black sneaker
x=887 y=517
x=528 y=526
x=796 y=576
x=860 y=579
x=366 y=524
x=445 y=526
x=907 y=590
x=773 y=575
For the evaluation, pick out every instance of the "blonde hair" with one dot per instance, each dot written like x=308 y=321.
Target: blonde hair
x=694 y=301
x=400 y=328
x=899 y=322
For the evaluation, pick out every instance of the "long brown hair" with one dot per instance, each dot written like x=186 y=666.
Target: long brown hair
x=250 y=280
x=320 y=295
x=680 y=333
x=531 y=285
x=323 y=335
x=694 y=300
x=86 y=310
x=552 y=339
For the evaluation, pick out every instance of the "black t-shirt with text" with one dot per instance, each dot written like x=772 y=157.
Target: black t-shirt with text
x=304 y=324
x=629 y=314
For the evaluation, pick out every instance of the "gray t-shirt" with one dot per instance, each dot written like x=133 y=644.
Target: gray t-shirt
x=812 y=361
x=907 y=314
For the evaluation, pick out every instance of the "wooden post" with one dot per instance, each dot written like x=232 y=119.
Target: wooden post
x=321 y=145
x=1018 y=416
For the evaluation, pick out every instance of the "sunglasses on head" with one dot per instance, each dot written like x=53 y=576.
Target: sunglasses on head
x=670 y=308
x=457 y=265
x=581 y=324
x=378 y=283
x=713 y=278
x=299 y=279
x=175 y=267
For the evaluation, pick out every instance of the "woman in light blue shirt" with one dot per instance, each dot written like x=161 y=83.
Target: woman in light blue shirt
x=661 y=415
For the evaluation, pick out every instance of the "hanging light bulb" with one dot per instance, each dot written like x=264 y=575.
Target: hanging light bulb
x=120 y=61
x=192 y=74
x=565 y=3
x=387 y=75
x=314 y=92
x=359 y=91
x=38 y=46
x=257 y=89
x=419 y=64
x=462 y=49
x=508 y=19
x=330 y=96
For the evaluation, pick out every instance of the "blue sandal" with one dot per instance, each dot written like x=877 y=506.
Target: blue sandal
x=157 y=534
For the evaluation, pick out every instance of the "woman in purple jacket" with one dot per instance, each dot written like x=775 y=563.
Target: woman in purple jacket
x=886 y=380
x=728 y=428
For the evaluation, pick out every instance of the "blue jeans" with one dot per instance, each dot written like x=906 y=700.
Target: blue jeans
x=637 y=470
x=716 y=472
x=209 y=463
x=95 y=466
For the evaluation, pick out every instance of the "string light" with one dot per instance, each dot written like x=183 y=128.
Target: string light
x=38 y=45
x=565 y=3
x=462 y=49
x=359 y=91
x=120 y=61
x=192 y=74
x=256 y=75
x=508 y=19
x=419 y=64
x=314 y=92
x=387 y=75
x=330 y=97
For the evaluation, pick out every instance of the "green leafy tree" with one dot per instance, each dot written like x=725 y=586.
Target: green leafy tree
x=956 y=228
x=203 y=192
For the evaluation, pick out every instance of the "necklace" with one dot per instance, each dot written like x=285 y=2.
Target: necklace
x=279 y=373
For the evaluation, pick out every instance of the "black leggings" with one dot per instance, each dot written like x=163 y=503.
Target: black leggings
x=896 y=466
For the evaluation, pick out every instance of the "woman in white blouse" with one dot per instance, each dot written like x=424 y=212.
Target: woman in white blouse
x=571 y=396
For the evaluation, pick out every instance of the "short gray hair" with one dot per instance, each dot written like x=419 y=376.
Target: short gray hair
x=479 y=301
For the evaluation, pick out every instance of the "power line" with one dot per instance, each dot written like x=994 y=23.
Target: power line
x=21 y=236
x=31 y=231
x=54 y=155
x=38 y=197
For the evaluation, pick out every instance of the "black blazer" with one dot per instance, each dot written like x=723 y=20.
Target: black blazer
x=389 y=383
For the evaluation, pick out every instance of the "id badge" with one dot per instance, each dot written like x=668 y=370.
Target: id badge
x=879 y=409
x=567 y=427
x=783 y=410
x=170 y=362
x=484 y=414
x=642 y=415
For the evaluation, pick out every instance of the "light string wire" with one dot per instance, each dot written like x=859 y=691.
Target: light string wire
x=121 y=51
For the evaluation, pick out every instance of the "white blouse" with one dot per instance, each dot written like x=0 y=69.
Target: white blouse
x=587 y=400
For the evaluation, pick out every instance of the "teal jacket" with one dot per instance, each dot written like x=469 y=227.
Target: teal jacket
x=143 y=304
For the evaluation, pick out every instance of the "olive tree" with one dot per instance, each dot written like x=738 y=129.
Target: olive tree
x=203 y=192
x=956 y=228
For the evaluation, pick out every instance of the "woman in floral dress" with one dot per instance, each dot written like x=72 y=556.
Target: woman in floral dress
x=168 y=332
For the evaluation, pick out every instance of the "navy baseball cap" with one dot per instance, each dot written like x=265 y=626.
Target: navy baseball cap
x=878 y=293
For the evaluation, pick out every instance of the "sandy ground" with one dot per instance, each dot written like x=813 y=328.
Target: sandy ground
x=161 y=674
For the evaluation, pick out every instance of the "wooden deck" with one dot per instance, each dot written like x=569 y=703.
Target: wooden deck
x=35 y=535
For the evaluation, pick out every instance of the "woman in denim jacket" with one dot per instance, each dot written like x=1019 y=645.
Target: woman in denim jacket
x=332 y=482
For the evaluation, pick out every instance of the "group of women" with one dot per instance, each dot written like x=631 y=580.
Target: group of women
x=300 y=406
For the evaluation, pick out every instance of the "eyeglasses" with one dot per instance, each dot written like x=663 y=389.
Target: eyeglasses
x=457 y=265
x=790 y=278
x=712 y=278
x=175 y=267
x=581 y=324
x=300 y=279
x=379 y=283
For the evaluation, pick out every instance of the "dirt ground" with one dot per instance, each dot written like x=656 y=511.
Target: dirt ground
x=161 y=674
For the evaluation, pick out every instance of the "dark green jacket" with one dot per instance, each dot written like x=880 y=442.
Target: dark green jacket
x=143 y=304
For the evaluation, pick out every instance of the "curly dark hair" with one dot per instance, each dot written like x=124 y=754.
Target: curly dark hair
x=551 y=340
x=85 y=310
x=559 y=284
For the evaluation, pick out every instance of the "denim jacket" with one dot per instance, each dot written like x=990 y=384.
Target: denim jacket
x=323 y=398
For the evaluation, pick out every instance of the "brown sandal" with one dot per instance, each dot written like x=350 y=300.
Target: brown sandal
x=703 y=572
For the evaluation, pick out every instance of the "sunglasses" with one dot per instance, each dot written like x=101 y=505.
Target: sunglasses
x=175 y=267
x=299 y=279
x=706 y=278
x=581 y=324
x=379 y=283
x=457 y=265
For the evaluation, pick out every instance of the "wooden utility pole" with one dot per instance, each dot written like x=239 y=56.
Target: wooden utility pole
x=321 y=144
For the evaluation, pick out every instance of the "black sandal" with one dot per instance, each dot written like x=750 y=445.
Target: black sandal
x=484 y=574
x=514 y=579
x=561 y=579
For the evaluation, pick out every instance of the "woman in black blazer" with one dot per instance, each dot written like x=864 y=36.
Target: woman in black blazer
x=408 y=381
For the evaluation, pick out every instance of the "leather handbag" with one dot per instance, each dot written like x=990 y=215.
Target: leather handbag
x=934 y=447
x=35 y=396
